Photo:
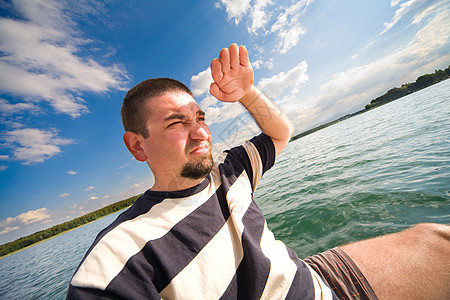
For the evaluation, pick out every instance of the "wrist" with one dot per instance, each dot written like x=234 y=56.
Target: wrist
x=248 y=98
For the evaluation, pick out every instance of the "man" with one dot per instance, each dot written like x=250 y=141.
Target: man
x=198 y=234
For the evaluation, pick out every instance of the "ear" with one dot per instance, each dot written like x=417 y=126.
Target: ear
x=133 y=142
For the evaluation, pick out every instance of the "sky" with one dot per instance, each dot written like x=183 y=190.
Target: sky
x=65 y=67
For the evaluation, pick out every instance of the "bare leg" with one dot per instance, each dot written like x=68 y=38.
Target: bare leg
x=412 y=264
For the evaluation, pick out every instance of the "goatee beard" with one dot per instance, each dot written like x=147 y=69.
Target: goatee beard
x=199 y=169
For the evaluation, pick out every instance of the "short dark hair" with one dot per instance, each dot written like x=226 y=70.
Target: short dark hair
x=134 y=115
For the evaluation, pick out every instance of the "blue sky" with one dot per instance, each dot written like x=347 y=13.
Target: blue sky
x=66 y=65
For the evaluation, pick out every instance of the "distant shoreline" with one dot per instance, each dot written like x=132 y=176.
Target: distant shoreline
x=421 y=82
x=53 y=236
x=46 y=234
x=40 y=236
x=49 y=238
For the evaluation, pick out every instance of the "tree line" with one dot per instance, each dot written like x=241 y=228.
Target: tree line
x=408 y=88
x=39 y=236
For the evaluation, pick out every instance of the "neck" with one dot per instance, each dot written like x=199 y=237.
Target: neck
x=175 y=184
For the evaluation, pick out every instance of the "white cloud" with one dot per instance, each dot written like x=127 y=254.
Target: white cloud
x=39 y=60
x=285 y=25
x=404 y=9
x=218 y=112
x=4 y=157
x=259 y=17
x=422 y=13
x=236 y=9
x=242 y=129
x=222 y=112
x=288 y=27
x=208 y=101
x=89 y=188
x=420 y=9
x=63 y=195
x=71 y=172
x=294 y=78
x=258 y=64
x=3 y=168
x=29 y=217
x=93 y=198
x=201 y=82
x=33 y=216
x=124 y=166
x=289 y=38
x=8 y=109
x=32 y=145
x=9 y=229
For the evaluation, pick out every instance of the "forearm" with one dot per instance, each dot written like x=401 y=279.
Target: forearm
x=269 y=117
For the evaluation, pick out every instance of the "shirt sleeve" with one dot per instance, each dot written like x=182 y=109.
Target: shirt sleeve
x=266 y=150
x=255 y=156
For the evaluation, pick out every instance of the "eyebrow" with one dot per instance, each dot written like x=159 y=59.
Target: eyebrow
x=182 y=116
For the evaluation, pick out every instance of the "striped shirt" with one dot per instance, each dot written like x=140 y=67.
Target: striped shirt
x=210 y=241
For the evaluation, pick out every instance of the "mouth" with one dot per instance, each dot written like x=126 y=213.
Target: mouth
x=200 y=150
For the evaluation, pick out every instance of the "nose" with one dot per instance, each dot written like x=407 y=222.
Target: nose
x=199 y=132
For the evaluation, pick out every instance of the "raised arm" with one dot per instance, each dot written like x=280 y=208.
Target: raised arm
x=233 y=81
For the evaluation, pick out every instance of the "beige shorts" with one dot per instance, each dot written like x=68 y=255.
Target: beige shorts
x=341 y=274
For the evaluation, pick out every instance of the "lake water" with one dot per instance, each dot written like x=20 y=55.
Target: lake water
x=375 y=173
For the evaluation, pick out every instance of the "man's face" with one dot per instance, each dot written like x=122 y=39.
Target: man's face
x=179 y=143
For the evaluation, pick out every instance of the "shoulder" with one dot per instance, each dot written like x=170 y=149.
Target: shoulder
x=255 y=157
x=261 y=145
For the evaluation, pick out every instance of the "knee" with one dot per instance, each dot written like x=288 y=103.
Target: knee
x=431 y=234
x=432 y=229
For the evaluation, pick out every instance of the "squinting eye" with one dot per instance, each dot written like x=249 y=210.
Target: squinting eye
x=174 y=123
